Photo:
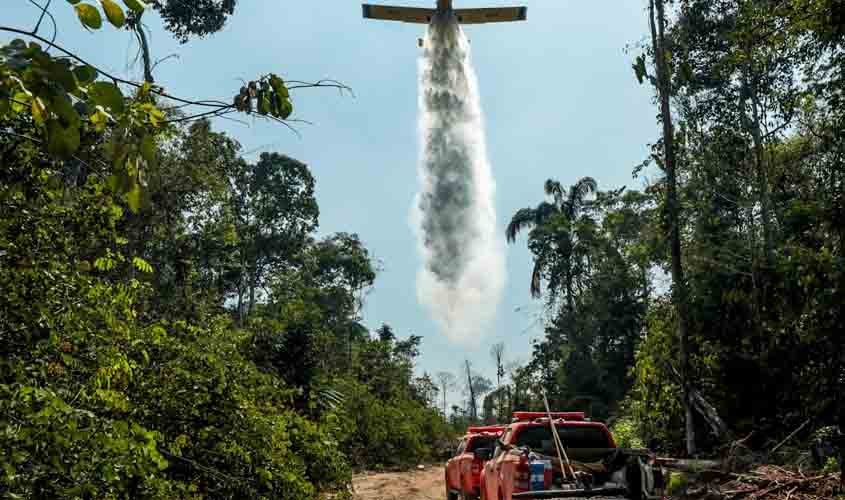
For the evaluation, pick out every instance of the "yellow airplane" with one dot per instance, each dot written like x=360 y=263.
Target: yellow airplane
x=444 y=7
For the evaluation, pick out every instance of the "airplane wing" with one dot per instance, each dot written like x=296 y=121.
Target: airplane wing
x=493 y=15
x=404 y=14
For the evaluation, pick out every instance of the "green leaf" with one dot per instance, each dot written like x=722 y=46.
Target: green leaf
x=263 y=102
x=104 y=264
x=100 y=119
x=279 y=86
x=85 y=74
x=114 y=13
x=640 y=69
x=113 y=182
x=107 y=95
x=39 y=112
x=142 y=265
x=135 y=5
x=62 y=141
x=133 y=198
x=61 y=106
x=21 y=101
x=287 y=109
x=148 y=149
x=89 y=15
x=59 y=70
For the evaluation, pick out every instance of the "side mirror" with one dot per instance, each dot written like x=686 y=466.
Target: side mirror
x=484 y=453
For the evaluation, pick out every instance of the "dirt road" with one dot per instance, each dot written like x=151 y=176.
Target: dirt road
x=417 y=485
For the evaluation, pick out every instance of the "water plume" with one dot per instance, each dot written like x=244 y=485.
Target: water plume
x=462 y=277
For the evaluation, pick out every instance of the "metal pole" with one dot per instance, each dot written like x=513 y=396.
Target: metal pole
x=561 y=452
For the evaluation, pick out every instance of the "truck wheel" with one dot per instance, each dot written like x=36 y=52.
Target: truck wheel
x=634 y=479
x=450 y=495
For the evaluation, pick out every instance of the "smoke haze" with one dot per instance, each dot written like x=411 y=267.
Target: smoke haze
x=462 y=277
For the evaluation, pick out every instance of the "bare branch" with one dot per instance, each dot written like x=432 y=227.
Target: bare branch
x=45 y=12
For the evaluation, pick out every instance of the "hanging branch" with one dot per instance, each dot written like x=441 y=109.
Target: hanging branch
x=272 y=85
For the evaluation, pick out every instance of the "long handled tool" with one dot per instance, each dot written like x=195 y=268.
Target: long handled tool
x=561 y=451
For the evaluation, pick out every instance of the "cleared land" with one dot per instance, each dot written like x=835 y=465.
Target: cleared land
x=424 y=484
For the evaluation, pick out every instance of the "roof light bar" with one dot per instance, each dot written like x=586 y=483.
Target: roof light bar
x=489 y=428
x=566 y=415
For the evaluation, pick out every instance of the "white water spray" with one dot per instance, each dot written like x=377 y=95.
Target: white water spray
x=462 y=277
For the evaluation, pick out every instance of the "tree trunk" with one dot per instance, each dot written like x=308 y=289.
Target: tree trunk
x=664 y=88
x=252 y=283
x=240 y=305
x=241 y=289
x=146 y=58
x=472 y=409
x=570 y=303
x=349 y=352
x=761 y=174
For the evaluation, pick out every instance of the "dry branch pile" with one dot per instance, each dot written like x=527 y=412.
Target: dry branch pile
x=771 y=482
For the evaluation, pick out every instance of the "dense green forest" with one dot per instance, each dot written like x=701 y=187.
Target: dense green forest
x=745 y=223
x=171 y=325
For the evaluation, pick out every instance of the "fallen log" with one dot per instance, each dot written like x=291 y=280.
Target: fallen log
x=791 y=435
x=689 y=465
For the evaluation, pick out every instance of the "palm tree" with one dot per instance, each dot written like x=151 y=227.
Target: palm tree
x=553 y=237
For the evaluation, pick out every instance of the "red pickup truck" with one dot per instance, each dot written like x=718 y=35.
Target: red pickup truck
x=596 y=468
x=464 y=468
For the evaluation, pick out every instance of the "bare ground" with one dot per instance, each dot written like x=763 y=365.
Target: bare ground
x=424 y=484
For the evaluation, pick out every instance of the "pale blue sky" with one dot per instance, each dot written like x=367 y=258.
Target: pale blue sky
x=558 y=92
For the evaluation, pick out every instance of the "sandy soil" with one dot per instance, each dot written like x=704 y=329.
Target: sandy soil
x=417 y=485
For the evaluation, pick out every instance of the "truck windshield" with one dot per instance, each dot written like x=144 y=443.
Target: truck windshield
x=481 y=442
x=540 y=438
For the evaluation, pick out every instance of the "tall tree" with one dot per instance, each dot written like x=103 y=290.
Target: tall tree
x=662 y=53
x=497 y=352
x=275 y=211
x=446 y=381
x=553 y=238
x=472 y=410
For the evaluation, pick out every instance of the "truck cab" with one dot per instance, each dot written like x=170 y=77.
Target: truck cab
x=463 y=470
x=592 y=464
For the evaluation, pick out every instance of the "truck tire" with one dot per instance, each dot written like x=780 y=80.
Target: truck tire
x=634 y=479
x=450 y=495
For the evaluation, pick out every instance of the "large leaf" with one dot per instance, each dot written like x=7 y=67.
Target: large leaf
x=148 y=149
x=279 y=86
x=114 y=13
x=89 y=15
x=135 y=5
x=39 y=111
x=62 y=141
x=59 y=71
x=107 y=95
x=134 y=197
x=85 y=74
x=286 y=108
x=62 y=107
